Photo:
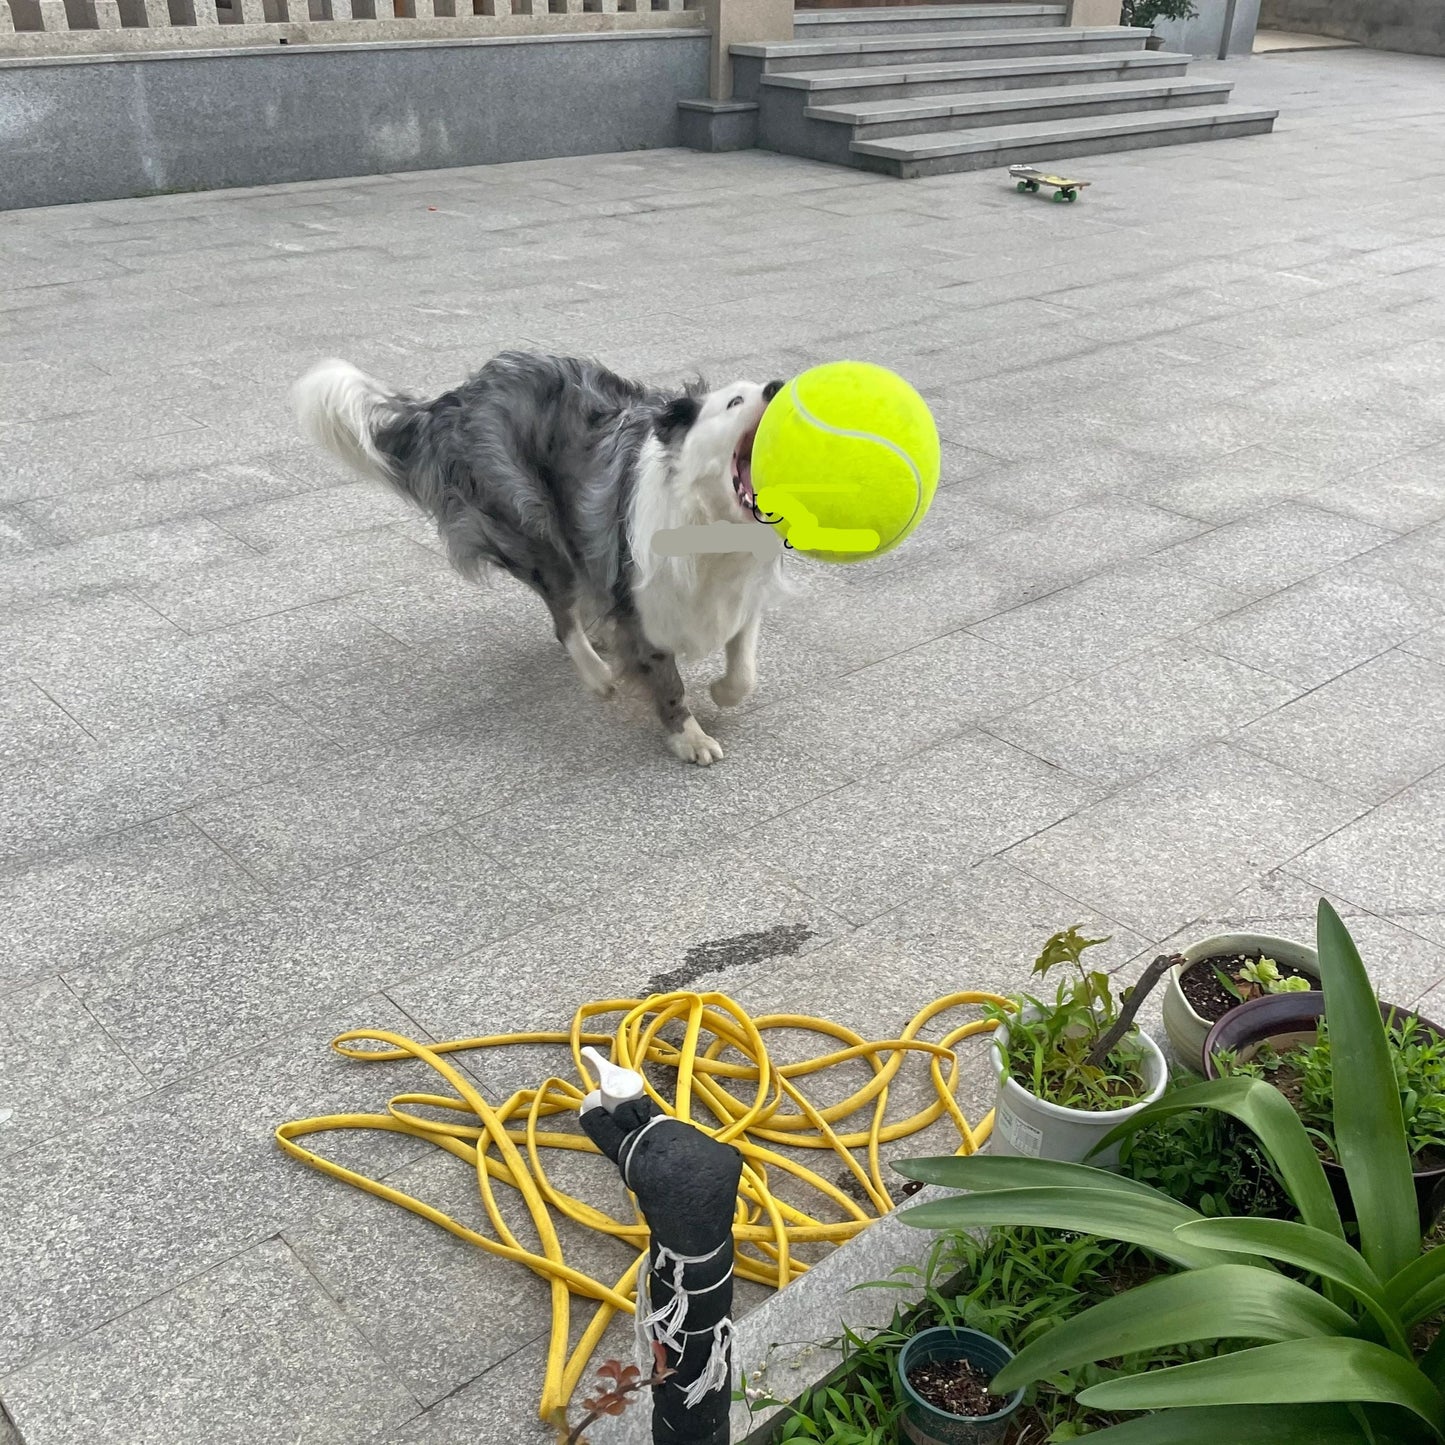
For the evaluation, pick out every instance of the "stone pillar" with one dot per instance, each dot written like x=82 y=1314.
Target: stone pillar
x=1094 y=12
x=744 y=22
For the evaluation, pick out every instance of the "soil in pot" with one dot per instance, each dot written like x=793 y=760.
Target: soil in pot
x=1209 y=998
x=957 y=1387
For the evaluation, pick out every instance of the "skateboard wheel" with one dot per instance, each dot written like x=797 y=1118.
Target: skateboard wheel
x=1023 y=185
x=1032 y=185
x=1061 y=195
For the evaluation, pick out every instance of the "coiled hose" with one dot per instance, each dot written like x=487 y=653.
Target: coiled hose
x=725 y=1082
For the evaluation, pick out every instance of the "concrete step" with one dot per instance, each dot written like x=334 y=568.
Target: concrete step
x=879 y=119
x=943 y=152
x=932 y=19
x=926 y=48
x=882 y=83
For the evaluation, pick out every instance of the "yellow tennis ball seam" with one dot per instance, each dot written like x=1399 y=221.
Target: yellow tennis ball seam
x=863 y=436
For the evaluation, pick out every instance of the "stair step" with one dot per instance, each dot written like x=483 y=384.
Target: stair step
x=936 y=19
x=944 y=151
x=881 y=83
x=876 y=119
x=879 y=50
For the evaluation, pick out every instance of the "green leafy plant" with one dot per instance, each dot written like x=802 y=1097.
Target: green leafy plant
x=1019 y=1284
x=858 y=1404
x=1337 y=1350
x=1015 y=1285
x=1146 y=13
x=1209 y=1162
x=1054 y=1048
x=1417 y=1058
x=1258 y=977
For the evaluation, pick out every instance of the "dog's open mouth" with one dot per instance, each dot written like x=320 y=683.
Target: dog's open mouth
x=743 y=471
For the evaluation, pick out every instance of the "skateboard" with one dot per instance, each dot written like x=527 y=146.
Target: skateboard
x=1030 y=178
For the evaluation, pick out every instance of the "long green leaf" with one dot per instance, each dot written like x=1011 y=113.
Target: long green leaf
x=1112 y=1214
x=1418 y=1290
x=1227 y=1302
x=990 y=1171
x=1246 y=1425
x=1305 y=1248
x=1295 y=1372
x=1369 y=1122
x=1266 y=1112
x=1432 y=1362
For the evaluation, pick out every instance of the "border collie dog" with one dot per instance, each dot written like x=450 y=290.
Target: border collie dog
x=562 y=473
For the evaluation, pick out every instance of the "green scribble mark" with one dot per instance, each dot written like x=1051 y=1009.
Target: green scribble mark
x=804 y=530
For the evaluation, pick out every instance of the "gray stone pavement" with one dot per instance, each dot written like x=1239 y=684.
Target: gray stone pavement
x=1168 y=654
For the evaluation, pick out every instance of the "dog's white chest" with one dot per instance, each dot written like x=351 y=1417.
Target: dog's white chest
x=694 y=611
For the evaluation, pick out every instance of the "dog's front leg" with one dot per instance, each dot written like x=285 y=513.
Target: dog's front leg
x=658 y=669
x=740 y=676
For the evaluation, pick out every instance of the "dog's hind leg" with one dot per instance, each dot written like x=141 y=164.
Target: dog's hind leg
x=740 y=676
x=560 y=595
x=658 y=671
x=596 y=675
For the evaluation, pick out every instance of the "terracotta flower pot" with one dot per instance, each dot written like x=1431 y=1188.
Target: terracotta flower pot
x=1285 y=1019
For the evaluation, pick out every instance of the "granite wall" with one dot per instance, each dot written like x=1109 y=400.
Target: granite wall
x=95 y=128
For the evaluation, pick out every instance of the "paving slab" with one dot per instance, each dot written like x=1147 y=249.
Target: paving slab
x=194 y=1366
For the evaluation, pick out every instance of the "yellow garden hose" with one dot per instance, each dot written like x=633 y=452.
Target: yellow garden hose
x=725 y=1082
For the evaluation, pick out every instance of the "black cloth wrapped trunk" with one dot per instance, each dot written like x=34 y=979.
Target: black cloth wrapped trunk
x=686 y=1185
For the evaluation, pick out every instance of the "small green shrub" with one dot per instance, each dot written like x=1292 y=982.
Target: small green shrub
x=1306 y=1074
x=1014 y=1284
x=1208 y=1162
x=1050 y=1043
x=1259 y=977
x=1146 y=13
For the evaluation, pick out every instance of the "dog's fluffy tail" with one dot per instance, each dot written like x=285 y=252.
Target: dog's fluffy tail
x=347 y=412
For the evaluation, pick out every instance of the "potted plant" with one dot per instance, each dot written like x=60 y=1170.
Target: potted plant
x=1144 y=14
x=1284 y=1040
x=1071 y=1069
x=1220 y=973
x=1336 y=1348
x=943 y=1375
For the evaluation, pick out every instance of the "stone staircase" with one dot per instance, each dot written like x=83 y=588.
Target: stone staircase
x=931 y=89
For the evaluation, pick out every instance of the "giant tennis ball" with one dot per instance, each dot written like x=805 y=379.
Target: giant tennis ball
x=845 y=462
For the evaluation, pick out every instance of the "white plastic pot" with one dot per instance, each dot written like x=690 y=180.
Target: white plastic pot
x=1186 y=1029
x=1027 y=1126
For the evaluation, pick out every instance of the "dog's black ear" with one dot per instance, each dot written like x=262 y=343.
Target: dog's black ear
x=677 y=416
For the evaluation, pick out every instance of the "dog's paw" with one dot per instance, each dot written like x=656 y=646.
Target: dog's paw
x=596 y=674
x=693 y=745
x=729 y=691
x=602 y=684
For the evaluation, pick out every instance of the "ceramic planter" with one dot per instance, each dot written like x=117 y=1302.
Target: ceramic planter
x=1292 y=1018
x=1036 y=1129
x=1187 y=1030
x=926 y=1424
